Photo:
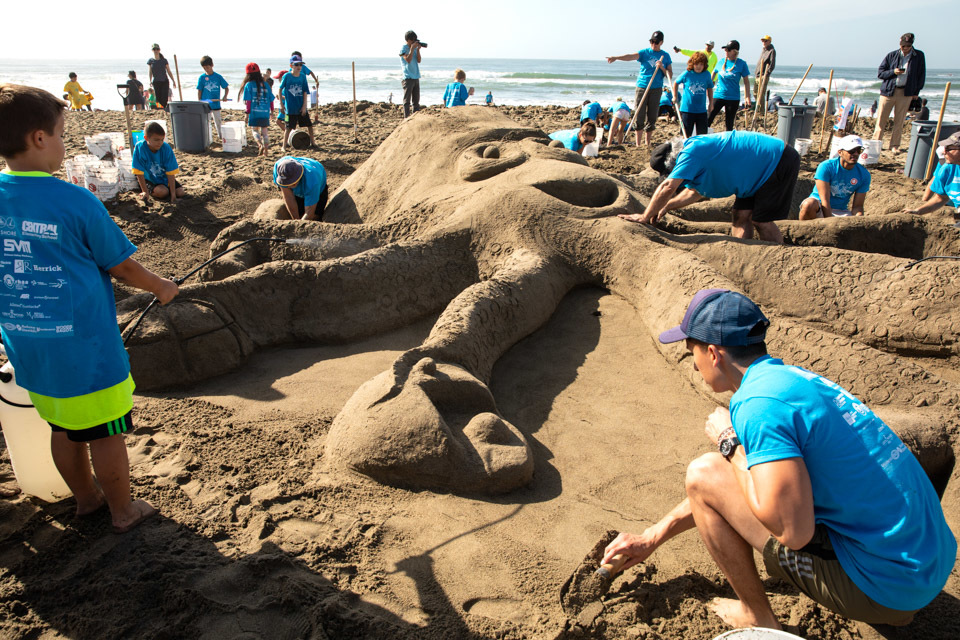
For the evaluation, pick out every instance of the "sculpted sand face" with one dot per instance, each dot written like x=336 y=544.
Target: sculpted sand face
x=468 y=214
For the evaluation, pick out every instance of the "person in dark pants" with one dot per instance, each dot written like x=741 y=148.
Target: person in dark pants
x=653 y=62
x=410 y=62
x=760 y=170
x=727 y=76
x=159 y=72
x=697 y=96
x=303 y=184
x=903 y=72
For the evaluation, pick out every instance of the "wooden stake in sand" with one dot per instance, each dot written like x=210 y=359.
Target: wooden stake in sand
x=931 y=162
x=676 y=107
x=353 y=75
x=801 y=83
x=177 y=68
x=826 y=110
x=760 y=100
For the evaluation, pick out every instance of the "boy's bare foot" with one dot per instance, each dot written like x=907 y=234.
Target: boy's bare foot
x=737 y=616
x=91 y=507
x=138 y=511
x=633 y=217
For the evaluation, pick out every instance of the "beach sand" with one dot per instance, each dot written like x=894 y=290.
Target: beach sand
x=257 y=540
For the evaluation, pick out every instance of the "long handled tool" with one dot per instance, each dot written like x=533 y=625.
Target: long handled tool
x=177 y=68
x=676 y=107
x=353 y=75
x=826 y=111
x=931 y=162
x=760 y=101
x=643 y=98
x=126 y=114
x=801 y=84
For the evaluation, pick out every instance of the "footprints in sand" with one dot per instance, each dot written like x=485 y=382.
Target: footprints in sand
x=501 y=609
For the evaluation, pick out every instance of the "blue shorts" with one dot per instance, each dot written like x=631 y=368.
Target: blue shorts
x=258 y=122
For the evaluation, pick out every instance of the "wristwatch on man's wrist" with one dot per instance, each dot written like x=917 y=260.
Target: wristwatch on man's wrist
x=728 y=443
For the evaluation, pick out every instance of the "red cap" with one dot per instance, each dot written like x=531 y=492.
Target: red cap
x=280 y=74
x=253 y=67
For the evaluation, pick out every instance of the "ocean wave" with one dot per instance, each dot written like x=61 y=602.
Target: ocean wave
x=561 y=76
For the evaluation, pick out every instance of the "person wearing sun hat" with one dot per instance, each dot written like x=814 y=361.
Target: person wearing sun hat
x=765 y=64
x=158 y=76
x=944 y=189
x=303 y=183
x=707 y=51
x=806 y=475
x=837 y=181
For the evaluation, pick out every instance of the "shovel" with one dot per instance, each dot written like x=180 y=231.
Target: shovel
x=580 y=594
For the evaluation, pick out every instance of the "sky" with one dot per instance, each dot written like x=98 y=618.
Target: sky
x=821 y=32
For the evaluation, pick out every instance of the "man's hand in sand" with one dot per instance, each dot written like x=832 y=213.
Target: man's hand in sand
x=167 y=291
x=637 y=547
x=145 y=197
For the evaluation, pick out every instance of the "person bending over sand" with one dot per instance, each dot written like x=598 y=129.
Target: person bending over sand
x=806 y=475
x=945 y=186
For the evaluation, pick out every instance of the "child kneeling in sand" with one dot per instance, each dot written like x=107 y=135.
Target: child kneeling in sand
x=577 y=139
x=303 y=183
x=156 y=167
x=456 y=93
x=68 y=352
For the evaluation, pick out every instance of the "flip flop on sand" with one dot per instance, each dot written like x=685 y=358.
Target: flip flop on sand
x=146 y=511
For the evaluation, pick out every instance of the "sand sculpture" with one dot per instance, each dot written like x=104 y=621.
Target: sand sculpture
x=470 y=215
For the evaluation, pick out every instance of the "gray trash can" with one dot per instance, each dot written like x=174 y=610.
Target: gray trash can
x=794 y=121
x=191 y=126
x=921 y=140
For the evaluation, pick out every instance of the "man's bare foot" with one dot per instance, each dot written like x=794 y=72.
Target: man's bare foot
x=87 y=508
x=634 y=217
x=138 y=511
x=737 y=616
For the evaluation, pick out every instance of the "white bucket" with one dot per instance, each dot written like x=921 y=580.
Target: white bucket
x=102 y=181
x=233 y=135
x=802 y=145
x=118 y=142
x=591 y=150
x=871 y=152
x=128 y=181
x=757 y=633
x=28 y=441
x=74 y=172
x=232 y=145
x=99 y=145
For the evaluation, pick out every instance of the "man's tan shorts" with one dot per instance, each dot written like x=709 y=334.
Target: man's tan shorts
x=815 y=571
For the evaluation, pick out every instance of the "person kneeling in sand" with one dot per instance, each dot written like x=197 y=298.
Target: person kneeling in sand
x=303 y=184
x=836 y=182
x=156 y=167
x=68 y=352
x=945 y=186
x=577 y=139
x=759 y=169
x=806 y=475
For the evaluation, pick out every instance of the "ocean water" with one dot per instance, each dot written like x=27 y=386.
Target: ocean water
x=512 y=81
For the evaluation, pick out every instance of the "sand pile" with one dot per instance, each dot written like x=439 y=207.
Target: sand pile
x=414 y=420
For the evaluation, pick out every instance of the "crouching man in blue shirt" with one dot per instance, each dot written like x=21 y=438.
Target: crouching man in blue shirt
x=303 y=184
x=806 y=475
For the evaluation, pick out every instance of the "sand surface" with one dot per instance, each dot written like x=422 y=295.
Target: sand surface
x=257 y=538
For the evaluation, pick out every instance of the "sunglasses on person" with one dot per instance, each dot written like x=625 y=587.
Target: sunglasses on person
x=951 y=149
x=855 y=151
x=298 y=64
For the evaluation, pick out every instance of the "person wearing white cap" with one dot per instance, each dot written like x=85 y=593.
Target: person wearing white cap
x=945 y=186
x=707 y=51
x=837 y=181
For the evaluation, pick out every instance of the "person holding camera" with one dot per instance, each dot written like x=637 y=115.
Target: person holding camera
x=410 y=62
x=903 y=72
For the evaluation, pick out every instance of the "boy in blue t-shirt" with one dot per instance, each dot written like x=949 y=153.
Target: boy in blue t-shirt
x=67 y=351
x=837 y=181
x=303 y=184
x=456 y=94
x=208 y=90
x=805 y=474
x=156 y=167
x=293 y=95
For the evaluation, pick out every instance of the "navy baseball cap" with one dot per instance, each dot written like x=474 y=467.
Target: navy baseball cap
x=289 y=172
x=721 y=317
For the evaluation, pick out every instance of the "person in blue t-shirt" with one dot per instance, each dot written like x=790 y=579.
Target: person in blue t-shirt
x=758 y=169
x=456 y=94
x=837 y=181
x=590 y=111
x=728 y=75
x=620 y=120
x=67 y=350
x=303 y=184
x=489 y=99
x=576 y=139
x=208 y=90
x=697 y=96
x=666 y=104
x=806 y=475
x=653 y=62
x=944 y=189
x=293 y=93
x=259 y=102
x=410 y=60
x=156 y=167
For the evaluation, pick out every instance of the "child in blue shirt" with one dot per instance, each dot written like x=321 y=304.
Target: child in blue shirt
x=208 y=90
x=68 y=352
x=697 y=91
x=456 y=94
x=620 y=114
x=489 y=98
x=259 y=101
x=303 y=184
x=156 y=167
x=293 y=93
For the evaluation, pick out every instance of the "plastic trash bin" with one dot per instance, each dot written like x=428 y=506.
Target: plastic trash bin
x=794 y=121
x=921 y=140
x=191 y=131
